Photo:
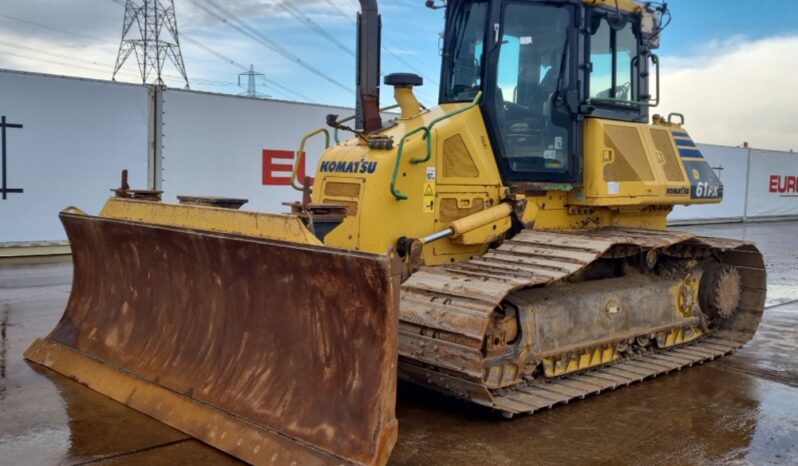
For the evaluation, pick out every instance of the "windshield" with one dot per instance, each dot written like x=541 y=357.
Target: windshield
x=462 y=60
x=532 y=73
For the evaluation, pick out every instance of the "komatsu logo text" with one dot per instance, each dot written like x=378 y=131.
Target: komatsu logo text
x=680 y=191
x=348 y=167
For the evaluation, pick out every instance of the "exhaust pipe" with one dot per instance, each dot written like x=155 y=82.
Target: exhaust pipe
x=367 y=114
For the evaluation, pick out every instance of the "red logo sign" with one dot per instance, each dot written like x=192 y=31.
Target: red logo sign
x=783 y=184
x=278 y=165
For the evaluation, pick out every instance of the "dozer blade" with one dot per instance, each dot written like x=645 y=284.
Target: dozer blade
x=274 y=352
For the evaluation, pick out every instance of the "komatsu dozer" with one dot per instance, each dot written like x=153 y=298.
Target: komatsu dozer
x=507 y=247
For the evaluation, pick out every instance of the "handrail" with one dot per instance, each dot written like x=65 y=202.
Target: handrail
x=434 y=122
x=650 y=103
x=352 y=117
x=655 y=61
x=674 y=114
x=301 y=153
x=399 y=195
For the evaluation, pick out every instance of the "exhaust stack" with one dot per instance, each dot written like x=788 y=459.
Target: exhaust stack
x=368 y=67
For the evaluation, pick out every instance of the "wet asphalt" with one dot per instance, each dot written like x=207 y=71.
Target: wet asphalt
x=742 y=409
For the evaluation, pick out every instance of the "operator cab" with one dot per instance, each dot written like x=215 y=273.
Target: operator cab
x=542 y=67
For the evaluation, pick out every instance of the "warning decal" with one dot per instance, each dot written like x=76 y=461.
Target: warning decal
x=429 y=198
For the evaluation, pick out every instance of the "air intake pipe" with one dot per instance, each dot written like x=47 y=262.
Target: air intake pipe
x=368 y=67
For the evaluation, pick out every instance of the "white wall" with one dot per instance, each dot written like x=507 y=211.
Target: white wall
x=76 y=138
x=773 y=184
x=731 y=165
x=79 y=134
x=213 y=145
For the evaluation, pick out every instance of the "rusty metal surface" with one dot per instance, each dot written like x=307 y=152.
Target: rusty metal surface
x=445 y=311
x=565 y=315
x=228 y=336
x=213 y=201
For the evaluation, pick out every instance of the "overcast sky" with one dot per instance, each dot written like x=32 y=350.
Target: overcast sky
x=730 y=66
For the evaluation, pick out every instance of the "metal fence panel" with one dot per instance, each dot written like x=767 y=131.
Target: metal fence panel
x=773 y=184
x=237 y=147
x=66 y=142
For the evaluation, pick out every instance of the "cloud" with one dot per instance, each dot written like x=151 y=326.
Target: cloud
x=402 y=50
x=62 y=55
x=736 y=91
x=81 y=38
x=322 y=11
x=731 y=91
x=94 y=18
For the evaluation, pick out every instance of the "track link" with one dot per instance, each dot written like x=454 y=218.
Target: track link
x=545 y=394
x=445 y=311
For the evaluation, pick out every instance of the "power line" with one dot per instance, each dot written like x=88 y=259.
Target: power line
x=72 y=33
x=242 y=27
x=59 y=63
x=100 y=66
x=305 y=19
x=282 y=87
x=341 y=12
x=286 y=90
x=52 y=28
x=216 y=54
x=385 y=47
x=52 y=54
x=279 y=86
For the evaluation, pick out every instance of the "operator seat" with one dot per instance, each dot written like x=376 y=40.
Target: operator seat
x=541 y=94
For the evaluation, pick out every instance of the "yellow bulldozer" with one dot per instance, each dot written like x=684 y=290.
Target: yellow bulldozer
x=507 y=247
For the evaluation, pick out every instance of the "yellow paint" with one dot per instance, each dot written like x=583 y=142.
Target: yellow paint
x=625 y=5
x=485 y=233
x=680 y=336
x=685 y=295
x=459 y=179
x=643 y=198
x=480 y=219
x=382 y=219
x=281 y=227
x=578 y=361
x=635 y=167
x=407 y=101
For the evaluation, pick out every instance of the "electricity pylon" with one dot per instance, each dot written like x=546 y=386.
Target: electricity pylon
x=251 y=76
x=149 y=31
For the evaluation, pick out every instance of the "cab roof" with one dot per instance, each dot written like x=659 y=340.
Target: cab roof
x=625 y=5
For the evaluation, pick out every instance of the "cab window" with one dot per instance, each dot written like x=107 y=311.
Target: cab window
x=462 y=61
x=532 y=74
x=613 y=58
